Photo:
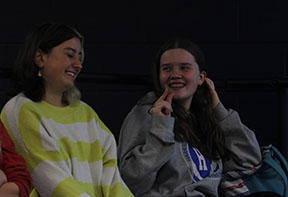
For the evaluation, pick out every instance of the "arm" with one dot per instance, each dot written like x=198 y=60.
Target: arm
x=46 y=158
x=18 y=177
x=145 y=144
x=240 y=140
x=111 y=183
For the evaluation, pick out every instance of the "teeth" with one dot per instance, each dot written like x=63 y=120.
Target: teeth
x=70 y=73
x=176 y=85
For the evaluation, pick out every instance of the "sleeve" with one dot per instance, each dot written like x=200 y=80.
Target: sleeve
x=15 y=166
x=240 y=140
x=112 y=183
x=47 y=162
x=145 y=144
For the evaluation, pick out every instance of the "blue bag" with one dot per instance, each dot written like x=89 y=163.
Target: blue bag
x=272 y=175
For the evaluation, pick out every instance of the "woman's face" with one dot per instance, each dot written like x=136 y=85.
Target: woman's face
x=179 y=73
x=62 y=65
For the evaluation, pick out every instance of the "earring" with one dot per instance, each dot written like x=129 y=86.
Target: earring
x=39 y=74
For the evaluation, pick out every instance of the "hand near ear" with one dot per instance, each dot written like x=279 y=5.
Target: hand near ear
x=215 y=98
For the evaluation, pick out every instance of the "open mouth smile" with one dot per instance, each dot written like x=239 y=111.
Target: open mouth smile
x=71 y=73
x=177 y=85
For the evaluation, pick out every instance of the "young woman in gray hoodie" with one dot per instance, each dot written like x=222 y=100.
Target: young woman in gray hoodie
x=179 y=139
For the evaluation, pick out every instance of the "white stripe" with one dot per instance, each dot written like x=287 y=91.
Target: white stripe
x=47 y=175
x=13 y=107
x=111 y=176
x=48 y=143
x=75 y=132
x=87 y=172
x=86 y=132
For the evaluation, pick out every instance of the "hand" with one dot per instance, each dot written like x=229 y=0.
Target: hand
x=3 y=178
x=163 y=106
x=215 y=98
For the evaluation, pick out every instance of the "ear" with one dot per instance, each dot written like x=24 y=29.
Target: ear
x=39 y=59
x=202 y=78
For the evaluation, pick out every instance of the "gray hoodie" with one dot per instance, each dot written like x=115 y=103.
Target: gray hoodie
x=152 y=163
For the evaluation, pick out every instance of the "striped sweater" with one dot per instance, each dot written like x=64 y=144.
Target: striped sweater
x=69 y=150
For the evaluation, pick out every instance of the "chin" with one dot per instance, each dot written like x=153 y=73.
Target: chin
x=180 y=98
x=69 y=86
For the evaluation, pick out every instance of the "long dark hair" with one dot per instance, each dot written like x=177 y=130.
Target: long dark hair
x=25 y=71
x=198 y=127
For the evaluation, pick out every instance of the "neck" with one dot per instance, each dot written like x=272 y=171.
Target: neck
x=186 y=106
x=186 y=103
x=54 y=99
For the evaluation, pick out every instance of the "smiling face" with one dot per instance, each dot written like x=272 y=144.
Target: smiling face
x=179 y=73
x=61 y=66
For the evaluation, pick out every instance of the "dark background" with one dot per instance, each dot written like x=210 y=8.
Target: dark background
x=245 y=44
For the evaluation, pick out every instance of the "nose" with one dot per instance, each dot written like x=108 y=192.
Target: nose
x=78 y=63
x=176 y=74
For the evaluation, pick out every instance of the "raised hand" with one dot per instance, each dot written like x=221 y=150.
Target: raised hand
x=211 y=86
x=163 y=105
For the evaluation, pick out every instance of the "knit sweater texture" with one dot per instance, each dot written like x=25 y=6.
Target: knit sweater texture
x=153 y=163
x=69 y=150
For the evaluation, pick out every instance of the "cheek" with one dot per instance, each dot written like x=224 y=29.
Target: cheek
x=163 y=79
x=194 y=77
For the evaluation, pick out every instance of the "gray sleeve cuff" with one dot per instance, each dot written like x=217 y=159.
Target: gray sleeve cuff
x=162 y=127
x=220 y=112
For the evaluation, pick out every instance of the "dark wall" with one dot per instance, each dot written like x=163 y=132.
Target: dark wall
x=245 y=44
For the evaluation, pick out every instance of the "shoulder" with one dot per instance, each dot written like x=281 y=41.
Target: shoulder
x=87 y=110
x=139 y=115
x=148 y=99
x=17 y=104
x=18 y=100
x=142 y=106
x=223 y=114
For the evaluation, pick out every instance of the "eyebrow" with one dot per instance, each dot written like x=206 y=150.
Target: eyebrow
x=186 y=63
x=181 y=64
x=74 y=50
x=165 y=64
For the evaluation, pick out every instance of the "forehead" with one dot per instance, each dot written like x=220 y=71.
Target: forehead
x=177 y=56
x=73 y=43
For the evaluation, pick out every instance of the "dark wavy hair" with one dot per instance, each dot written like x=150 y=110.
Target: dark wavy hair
x=25 y=71
x=198 y=127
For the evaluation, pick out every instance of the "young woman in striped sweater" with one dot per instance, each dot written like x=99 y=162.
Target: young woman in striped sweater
x=69 y=150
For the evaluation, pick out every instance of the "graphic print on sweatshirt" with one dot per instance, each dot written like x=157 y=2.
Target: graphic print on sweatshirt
x=201 y=165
